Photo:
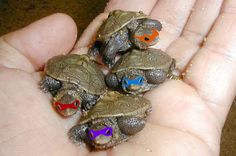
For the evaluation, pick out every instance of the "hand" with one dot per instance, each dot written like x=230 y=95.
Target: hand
x=187 y=115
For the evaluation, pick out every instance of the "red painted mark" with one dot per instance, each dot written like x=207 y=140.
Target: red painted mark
x=148 y=38
x=63 y=106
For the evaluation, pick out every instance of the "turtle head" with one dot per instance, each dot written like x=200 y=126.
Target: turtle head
x=100 y=133
x=147 y=33
x=66 y=103
x=132 y=84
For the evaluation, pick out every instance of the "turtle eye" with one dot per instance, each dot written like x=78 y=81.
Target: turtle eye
x=125 y=81
x=108 y=132
x=141 y=80
x=146 y=38
x=77 y=103
x=91 y=134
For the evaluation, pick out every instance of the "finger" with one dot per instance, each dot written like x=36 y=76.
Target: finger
x=131 y=5
x=36 y=43
x=81 y=50
x=212 y=70
x=199 y=24
x=90 y=32
x=173 y=16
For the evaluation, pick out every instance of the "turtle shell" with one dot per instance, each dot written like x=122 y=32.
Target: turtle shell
x=77 y=69
x=117 y=20
x=114 y=104
x=143 y=59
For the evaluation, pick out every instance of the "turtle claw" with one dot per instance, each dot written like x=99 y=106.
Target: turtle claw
x=109 y=62
x=43 y=86
x=94 y=50
x=49 y=84
x=77 y=134
x=84 y=112
x=87 y=107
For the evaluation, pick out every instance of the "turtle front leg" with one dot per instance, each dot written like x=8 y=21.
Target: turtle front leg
x=112 y=81
x=117 y=43
x=156 y=76
x=95 y=49
x=78 y=134
x=88 y=101
x=131 y=125
x=49 y=84
x=174 y=73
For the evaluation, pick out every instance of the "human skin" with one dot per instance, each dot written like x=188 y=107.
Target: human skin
x=187 y=116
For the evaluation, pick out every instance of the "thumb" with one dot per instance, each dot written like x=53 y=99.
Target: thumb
x=30 y=47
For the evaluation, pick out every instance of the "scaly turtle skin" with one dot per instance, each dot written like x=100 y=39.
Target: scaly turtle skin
x=123 y=30
x=74 y=81
x=119 y=116
x=141 y=70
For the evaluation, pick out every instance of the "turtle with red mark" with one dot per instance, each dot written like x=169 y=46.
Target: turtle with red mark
x=74 y=81
x=123 y=30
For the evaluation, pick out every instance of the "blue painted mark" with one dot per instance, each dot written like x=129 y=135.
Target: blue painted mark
x=126 y=82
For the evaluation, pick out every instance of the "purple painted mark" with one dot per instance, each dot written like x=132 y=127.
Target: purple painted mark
x=107 y=131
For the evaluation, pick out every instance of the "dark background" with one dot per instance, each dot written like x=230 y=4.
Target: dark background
x=18 y=13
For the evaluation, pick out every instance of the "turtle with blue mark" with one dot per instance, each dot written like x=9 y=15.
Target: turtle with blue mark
x=139 y=71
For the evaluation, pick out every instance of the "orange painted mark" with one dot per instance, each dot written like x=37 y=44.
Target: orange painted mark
x=63 y=106
x=148 y=38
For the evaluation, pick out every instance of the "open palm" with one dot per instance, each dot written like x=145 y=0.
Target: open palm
x=187 y=116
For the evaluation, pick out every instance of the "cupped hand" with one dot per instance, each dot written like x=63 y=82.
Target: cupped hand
x=187 y=116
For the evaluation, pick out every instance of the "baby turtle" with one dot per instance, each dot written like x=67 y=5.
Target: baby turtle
x=112 y=120
x=74 y=81
x=123 y=30
x=141 y=70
